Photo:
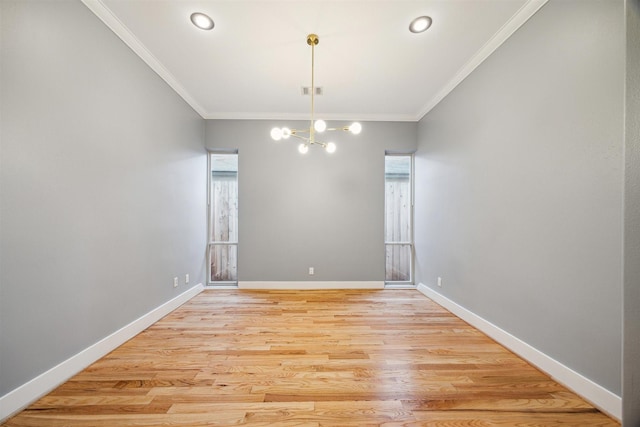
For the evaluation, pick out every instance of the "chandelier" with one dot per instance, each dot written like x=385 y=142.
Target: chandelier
x=308 y=136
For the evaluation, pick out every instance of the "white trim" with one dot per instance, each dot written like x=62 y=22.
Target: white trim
x=214 y=286
x=29 y=392
x=347 y=117
x=526 y=11
x=121 y=30
x=399 y=285
x=105 y=14
x=600 y=397
x=311 y=285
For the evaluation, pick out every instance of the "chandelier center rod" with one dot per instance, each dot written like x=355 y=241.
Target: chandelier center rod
x=312 y=40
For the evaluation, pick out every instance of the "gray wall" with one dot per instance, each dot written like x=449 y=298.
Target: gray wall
x=317 y=210
x=519 y=176
x=631 y=364
x=103 y=183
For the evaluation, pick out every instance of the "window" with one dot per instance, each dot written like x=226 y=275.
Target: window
x=223 y=218
x=398 y=223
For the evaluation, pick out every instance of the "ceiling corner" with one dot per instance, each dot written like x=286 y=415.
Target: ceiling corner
x=110 y=20
x=530 y=8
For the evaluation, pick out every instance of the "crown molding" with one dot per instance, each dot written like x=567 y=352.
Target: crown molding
x=526 y=11
x=305 y=116
x=121 y=30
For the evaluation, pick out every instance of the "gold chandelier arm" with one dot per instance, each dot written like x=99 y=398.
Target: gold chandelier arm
x=304 y=138
x=297 y=131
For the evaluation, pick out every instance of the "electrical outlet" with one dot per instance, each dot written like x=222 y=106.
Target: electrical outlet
x=175 y=282
x=439 y=282
x=186 y=279
x=311 y=271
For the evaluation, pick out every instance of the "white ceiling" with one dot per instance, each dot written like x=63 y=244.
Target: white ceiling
x=256 y=59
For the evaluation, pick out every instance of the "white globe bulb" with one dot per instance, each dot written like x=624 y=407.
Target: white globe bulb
x=320 y=126
x=303 y=148
x=355 y=128
x=331 y=147
x=276 y=134
x=286 y=133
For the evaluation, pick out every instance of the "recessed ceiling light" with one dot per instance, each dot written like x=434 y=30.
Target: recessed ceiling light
x=202 y=21
x=420 y=24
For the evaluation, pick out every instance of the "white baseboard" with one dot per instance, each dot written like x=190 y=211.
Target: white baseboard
x=21 y=397
x=223 y=287
x=600 y=397
x=311 y=285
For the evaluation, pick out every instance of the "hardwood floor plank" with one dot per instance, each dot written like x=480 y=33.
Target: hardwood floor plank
x=83 y=400
x=521 y=419
x=557 y=402
x=342 y=358
x=197 y=408
x=226 y=418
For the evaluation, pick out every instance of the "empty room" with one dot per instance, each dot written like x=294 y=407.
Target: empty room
x=319 y=213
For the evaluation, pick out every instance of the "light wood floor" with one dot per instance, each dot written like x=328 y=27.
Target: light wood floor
x=311 y=358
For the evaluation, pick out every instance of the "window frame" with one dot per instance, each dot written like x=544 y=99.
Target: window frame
x=410 y=242
x=210 y=242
